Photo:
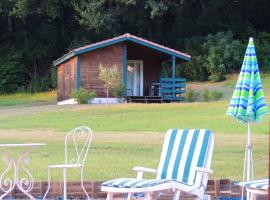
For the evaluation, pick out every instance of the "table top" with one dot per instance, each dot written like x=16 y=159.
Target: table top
x=23 y=145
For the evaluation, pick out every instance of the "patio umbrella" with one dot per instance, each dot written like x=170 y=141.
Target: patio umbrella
x=248 y=103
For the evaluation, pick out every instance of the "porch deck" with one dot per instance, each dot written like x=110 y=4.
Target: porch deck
x=168 y=90
x=145 y=99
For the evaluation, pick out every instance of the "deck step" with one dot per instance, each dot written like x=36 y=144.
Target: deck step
x=144 y=99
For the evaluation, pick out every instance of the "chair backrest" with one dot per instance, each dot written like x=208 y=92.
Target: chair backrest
x=182 y=151
x=77 y=143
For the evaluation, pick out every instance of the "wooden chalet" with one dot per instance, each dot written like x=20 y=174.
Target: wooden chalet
x=141 y=63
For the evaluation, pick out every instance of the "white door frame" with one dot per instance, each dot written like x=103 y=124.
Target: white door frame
x=141 y=73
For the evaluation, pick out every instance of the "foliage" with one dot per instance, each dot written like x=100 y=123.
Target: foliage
x=34 y=33
x=224 y=55
x=13 y=74
x=190 y=95
x=216 y=95
x=39 y=84
x=205 y=95
x=263 y=51
x=112 y=80
x=83 y=95
x=214 y=56
x=118 y=90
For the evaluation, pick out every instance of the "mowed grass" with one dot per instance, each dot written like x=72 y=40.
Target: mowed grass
x=114 y=154
x=28 y=98
x=129 y=117
x=128 y=135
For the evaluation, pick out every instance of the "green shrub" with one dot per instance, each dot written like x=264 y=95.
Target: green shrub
x=83 y=95
x=216 y=95
x=205 y=95
x=190 y=95
x=119 y=90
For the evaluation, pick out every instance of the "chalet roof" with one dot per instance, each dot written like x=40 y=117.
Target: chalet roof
x=122 y=38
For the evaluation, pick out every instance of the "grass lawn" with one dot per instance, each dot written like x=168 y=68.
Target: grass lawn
x=114 y=154
x=28 y=98
x=127 y=135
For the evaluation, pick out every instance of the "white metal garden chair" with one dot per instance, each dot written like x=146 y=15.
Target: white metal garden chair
x=79 y=139
x=184 y=167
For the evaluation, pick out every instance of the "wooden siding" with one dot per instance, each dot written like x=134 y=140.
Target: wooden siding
x=67 y=78
x=151 y=63
x=89 y=65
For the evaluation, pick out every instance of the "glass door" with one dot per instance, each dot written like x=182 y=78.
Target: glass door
x=134 y=78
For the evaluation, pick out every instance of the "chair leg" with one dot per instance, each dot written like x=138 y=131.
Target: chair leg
x=83 y=185
x=252 y=196
x=109 y=196
x=147 y=196
x=129 y=196
x=248 y=195
x=151 y=196
x=65 y=183
x=176 y=195
x=49 y=184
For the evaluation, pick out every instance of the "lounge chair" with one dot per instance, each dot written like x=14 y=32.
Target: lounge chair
x=255 y=188
x=184 y=167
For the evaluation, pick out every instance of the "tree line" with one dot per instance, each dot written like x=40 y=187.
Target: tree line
x=33 y=33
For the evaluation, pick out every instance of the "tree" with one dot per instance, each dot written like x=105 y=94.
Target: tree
x=224 y=55
x=111 y=78
x=41 y=31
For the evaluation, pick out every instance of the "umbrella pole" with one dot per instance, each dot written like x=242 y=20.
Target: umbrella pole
x=248 y=165
x=248 y=153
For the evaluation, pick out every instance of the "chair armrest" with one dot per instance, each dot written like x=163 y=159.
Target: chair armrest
x=203 y=170
x=140 y=171
x=65 y=166
x=145 y=169
x=202 y=178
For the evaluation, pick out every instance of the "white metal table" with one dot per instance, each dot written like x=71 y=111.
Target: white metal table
x=8 y=182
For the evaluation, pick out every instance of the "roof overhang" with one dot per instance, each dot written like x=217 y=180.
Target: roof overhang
x=122 y=38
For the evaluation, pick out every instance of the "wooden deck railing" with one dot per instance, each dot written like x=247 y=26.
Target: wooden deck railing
x=172 y=89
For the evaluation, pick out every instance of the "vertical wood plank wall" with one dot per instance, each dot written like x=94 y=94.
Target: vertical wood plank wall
x=89 y=65
x=66 y=78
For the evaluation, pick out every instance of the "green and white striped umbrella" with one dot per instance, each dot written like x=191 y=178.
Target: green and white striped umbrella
x=248 y=102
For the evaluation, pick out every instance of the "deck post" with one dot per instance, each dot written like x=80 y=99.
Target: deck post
x=173 y=74
x=173 y=67
x=125 y=68
x=78 y=73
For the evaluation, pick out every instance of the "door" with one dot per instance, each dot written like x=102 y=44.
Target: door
x=135 y=78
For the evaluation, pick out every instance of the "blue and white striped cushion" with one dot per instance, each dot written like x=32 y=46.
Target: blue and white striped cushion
x=134 y=183
x=183 y=150
x=262 y=184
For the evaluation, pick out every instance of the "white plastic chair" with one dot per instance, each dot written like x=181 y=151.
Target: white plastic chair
x=184 y=167
x=81 y=135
